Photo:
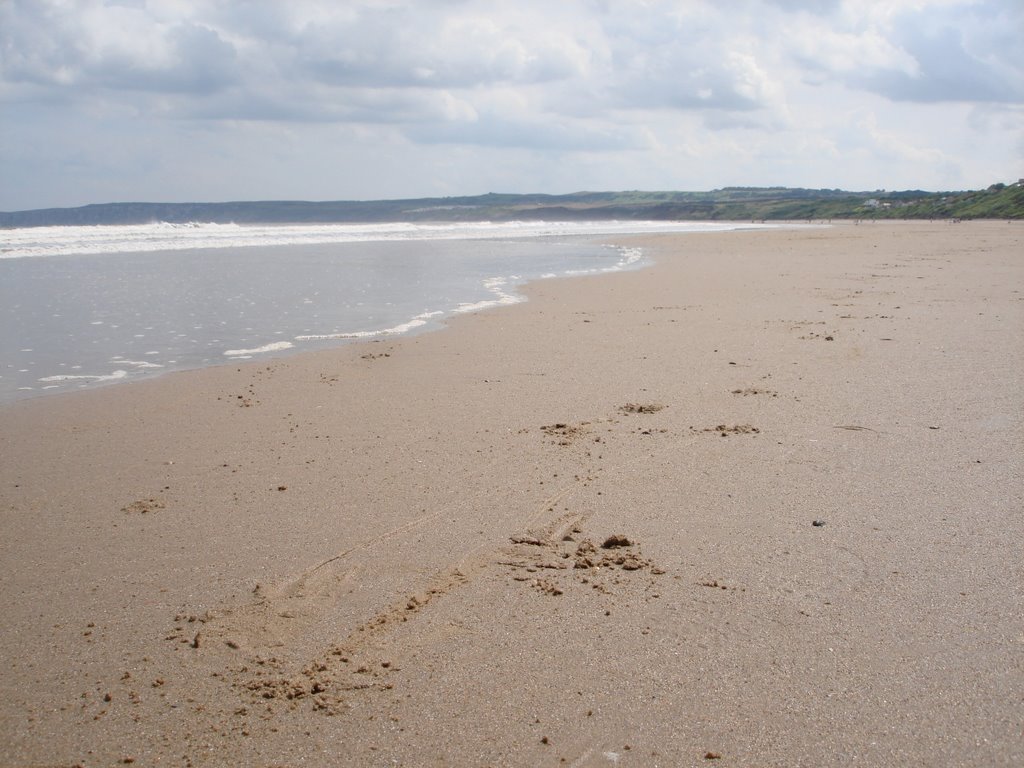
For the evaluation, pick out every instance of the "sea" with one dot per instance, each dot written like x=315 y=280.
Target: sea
x=82 y=307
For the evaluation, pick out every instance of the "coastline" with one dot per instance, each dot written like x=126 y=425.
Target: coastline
x=340 y=525
x=237 y=302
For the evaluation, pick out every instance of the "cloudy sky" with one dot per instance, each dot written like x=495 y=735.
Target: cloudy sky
x=174 y=100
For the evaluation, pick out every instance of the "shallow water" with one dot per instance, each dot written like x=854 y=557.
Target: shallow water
x=75 y=318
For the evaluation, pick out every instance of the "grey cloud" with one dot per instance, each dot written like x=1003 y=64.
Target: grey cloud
x=948 y=70
x=675 y=62
x=321 y=105
x=719 y=120
x=640 y=60
x=551 y=134
x=818 y=7
x=201 y=62
x=968 y=53
x=33 y=48
x=683 y=86
x=45 y=46
x=662 y=85
x=405 y=47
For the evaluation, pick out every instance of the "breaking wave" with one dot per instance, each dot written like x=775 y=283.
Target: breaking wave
x=163 y=236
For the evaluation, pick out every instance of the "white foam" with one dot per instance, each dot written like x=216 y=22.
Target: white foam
x=112 y=376
x=406 y=327
x=630 y=256
x=476 y=306
x=338 y=336
x=161 y=236
x=496 y=285
x=277 y=346
x=417 y=322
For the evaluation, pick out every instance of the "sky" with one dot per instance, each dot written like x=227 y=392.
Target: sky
x=214 y=100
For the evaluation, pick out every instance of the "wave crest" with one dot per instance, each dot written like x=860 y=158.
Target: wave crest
x=168 y=236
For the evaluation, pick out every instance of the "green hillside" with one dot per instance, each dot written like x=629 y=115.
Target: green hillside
x=999 y=201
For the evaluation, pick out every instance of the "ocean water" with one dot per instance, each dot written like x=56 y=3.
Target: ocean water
x=85 y=306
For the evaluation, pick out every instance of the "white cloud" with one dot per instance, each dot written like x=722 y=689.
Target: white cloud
x=896 y=149
x=924 y=52
x=656 y=92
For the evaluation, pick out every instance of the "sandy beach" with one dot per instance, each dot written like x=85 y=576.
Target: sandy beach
x=760 y=504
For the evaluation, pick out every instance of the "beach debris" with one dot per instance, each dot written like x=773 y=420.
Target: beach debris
x=525 y=538
x=616 y=540
x=709 y=755
x=565 y=432
x=826 y=337
x=755 y=391
x=642 y=407
x=614 y=552
x=546 y=587
x=143 y=506
x=737 y=429
x=587 y=555
x=716 y=584
x=817 y=523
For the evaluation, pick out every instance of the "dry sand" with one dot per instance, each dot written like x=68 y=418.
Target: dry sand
x=391 y=553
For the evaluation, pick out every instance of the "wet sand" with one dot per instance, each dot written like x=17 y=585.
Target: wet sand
x=757 y=505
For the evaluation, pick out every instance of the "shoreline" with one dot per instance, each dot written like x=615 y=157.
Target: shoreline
x=390 y=312
x=365 y=546
x=428 y=320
